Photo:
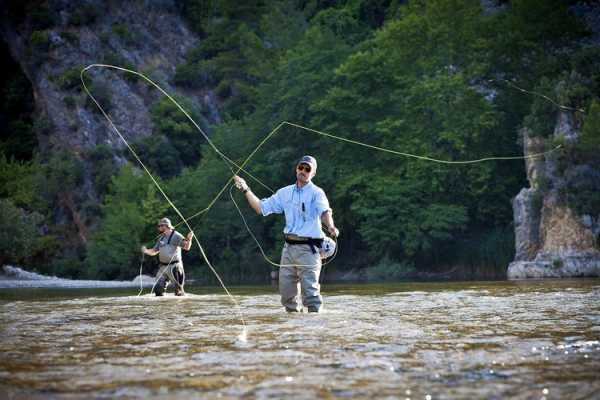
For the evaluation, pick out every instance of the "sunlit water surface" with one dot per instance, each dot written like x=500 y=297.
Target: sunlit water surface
x=525 y=340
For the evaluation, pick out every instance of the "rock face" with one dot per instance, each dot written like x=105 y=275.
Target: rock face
x=145 y=36
x=552 y=241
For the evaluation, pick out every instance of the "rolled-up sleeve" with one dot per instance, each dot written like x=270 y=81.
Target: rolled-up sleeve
x=272 y=205
x=321 y=202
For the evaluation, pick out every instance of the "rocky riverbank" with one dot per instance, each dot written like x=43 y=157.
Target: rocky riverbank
x=553 y=239
x=15 y=277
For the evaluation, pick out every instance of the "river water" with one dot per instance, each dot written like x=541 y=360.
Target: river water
x=492 y=340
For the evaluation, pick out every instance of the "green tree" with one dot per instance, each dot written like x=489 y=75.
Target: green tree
x=130 y=211
x=590 y=134
x=17 y=183
x=171 y=123
x=20 y=233
x=61 y=175
x=241 y=48
x=103 y=167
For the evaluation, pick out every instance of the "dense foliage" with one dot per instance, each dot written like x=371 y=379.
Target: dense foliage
x=433 y=78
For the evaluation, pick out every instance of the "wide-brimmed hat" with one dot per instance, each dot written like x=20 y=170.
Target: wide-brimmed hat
x=165 y=221
x=310 y=160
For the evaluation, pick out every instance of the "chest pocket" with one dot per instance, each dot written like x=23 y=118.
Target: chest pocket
x=310 y=207
x=307 y=207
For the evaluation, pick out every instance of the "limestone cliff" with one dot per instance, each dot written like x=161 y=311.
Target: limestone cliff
x=147 y=36
x=552 y=240
x=144 y=35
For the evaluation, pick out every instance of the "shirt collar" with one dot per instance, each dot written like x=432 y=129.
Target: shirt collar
x=307 y=186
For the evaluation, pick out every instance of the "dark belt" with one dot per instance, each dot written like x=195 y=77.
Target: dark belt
x=313 y=243
x=172 y=262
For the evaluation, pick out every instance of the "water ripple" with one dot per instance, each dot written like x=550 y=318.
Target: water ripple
x=458 y=340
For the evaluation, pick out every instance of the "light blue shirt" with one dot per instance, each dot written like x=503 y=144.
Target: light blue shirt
x=300 y=220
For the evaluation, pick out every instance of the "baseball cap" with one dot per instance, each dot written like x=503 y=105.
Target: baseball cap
x=165 y=221
x=310 y=160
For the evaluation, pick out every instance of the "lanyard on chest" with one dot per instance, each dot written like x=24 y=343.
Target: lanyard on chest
x=301 y=203
x=170 y=236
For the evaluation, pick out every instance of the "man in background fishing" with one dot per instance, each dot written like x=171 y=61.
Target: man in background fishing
x=305 y=207
x=168 y=247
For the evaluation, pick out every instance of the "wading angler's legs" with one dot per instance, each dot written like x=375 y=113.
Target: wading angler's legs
x=289 y=281
x=162 y=283
x=309 y=278
x=179 y=275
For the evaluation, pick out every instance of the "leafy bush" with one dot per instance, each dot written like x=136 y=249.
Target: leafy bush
x=159 y=155
x=70 y=79
x=17 y=182
x=389 y=270
x=589 y=142
x=233 y=55
x=130 y=210
x=63 y=173
x=488 y=252
x=69 y=266
x=171 y=123
x=341 y=23
x=123 y=32
x=103 y=168
x=542 y=118
x=39 y=41
x=19 y=233
x=189 y=75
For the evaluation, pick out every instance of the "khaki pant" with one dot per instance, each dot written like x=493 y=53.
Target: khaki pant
x=170 y=273
x=303 y=278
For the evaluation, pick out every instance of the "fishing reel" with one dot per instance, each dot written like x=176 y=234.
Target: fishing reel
x=327 y=248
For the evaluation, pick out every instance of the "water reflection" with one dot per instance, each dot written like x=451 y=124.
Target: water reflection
x=444 y=340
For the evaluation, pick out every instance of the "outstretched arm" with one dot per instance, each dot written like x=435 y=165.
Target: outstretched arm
x=254 y=201
x=187 y=242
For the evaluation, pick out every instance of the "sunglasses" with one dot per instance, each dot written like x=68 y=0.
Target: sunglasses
x=158 y=226
x=303 y=167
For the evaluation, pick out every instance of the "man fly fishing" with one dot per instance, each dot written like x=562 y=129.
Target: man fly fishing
x=305 y=206
x=168 y=247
